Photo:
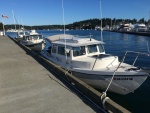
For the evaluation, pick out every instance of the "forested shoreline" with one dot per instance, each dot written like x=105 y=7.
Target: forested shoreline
x=84 y=24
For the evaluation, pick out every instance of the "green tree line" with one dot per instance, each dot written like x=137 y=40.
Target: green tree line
x=85 y=24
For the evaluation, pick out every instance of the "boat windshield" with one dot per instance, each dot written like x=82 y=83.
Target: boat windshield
x=61 y=51
x=26 y=38
x=92 y=48
x=78 y=51
x=101 y=48
x=21 y=33
x=37 y=37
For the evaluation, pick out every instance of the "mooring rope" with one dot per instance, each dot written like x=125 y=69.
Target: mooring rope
x=104 y=95
x=67 y=70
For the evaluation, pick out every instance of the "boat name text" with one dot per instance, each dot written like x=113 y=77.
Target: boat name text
x=117 y=78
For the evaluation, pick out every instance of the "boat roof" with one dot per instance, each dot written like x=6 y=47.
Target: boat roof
x=140 y=25
x=57 y=37
x=72 y=40
x=33 y=32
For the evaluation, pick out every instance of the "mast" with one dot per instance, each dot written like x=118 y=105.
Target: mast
x=23 y=27
x=4 y=16
x=149 y=20
x=111 y=25
x=64 y=26
x=18 y=23
x=14 y=19
x=3 y=27
x=101 y=21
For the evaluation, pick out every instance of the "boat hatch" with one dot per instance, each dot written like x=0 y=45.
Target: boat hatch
x=69 y=40
x=133 y=69
x=102 y=55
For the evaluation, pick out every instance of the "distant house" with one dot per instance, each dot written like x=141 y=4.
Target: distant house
x=97 y=27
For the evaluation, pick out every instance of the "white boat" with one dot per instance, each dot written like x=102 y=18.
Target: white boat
x=86 y=59
x=34 y=41
x=140 y=27
x=126 y=27
x=20 y=35
x=15 y=30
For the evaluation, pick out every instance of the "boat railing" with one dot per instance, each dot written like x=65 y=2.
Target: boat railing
x=138 y=53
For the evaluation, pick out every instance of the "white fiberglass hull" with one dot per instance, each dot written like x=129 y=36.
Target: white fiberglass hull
x=121 y=84
x=37 y=47
x=124 y=81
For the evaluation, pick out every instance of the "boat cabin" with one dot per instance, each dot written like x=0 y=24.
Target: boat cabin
x=85 y=58
x=32 y=37
x=140 y=27
x=79 y=52
x=77 y=47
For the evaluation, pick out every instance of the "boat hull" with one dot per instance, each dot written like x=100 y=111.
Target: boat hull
x=124 y=82
x=19 y=39
x=37 y=47
x=120 y=84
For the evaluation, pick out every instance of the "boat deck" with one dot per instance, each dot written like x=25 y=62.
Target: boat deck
x=27 y=87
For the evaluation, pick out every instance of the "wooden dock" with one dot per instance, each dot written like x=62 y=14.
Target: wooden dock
x=27 y=85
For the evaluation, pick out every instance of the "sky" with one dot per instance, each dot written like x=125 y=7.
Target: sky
x=50 y=12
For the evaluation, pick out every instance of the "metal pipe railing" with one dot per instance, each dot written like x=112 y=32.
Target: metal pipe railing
x=138 y=53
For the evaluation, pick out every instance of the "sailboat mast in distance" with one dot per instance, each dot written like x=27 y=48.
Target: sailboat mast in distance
x=14 y=19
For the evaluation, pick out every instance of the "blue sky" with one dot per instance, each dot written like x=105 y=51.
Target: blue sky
x=49 y=12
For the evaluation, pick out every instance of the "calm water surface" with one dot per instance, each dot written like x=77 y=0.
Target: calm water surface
x=118 y=44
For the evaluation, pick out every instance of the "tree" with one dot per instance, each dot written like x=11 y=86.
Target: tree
x=149 y=22
x=142 y=20
x=1 y=26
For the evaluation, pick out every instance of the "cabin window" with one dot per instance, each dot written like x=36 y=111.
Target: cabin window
x=30 y=38
x=101 y=48
x=92 y=48
x=54 y=48
x=26 y=38
x=40 y=37
x=61 y=51
x=35 y=37
x=21 y=33
x=78 y=51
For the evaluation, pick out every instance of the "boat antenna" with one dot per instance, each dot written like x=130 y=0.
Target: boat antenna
x=64 y=26
x=101 y=21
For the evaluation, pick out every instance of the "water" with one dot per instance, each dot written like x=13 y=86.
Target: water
x=117 y=44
